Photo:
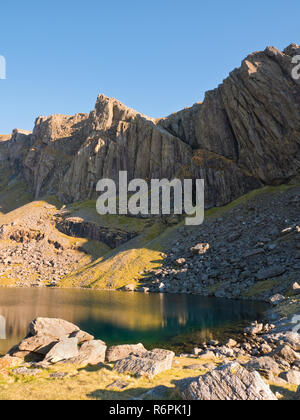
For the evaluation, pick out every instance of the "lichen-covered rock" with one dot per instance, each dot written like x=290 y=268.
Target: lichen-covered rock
x=148 y=363
x=115 y=353
x=230 y=382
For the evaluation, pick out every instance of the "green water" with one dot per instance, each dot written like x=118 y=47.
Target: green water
x=174 y=321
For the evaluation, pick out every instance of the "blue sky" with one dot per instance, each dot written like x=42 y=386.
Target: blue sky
x=155 y=56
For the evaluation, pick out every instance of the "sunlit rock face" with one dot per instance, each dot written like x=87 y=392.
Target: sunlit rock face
x=252 y=120
x=244 y=135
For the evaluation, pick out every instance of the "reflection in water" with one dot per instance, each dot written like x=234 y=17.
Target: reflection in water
x=117 y=317
x=2 y=328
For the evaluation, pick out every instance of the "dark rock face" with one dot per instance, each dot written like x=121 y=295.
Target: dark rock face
x=75 y=226
x=244 y=135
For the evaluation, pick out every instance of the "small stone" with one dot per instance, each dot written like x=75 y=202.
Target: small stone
x=58 y=375
x=277 y=299
x=200 y=249
x=129 y=288
x=180 y=261
x=231 y=343
x=25 y=371
x=81 y=336
x=118 y=385
x=295 y=289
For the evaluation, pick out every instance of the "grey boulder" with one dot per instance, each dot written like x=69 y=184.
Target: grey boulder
x=230 y=382
x=65 y=349
x=91 y=353
x=148 y=363
x=115 y=353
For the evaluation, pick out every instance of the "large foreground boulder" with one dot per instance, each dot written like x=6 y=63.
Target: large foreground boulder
x=55 y=340
x=115 y=353
x=229 y=382
x=148 y=363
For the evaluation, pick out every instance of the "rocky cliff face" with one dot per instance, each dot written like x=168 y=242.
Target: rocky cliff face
x=68 y=155
x=245 y=134
x=252 y=120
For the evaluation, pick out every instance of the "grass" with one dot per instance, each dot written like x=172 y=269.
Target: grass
x=123 y=265
x=92 y=383
x=13 y=196
x=87 y=210
x=96 y=383
x=263 y=286
x=290 y=308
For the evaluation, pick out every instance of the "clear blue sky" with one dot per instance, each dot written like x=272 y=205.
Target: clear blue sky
x=155 y=56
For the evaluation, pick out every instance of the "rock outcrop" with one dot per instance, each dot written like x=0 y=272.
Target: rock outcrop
x=229 y=382
x=244 y=135
x=147 y=364
x=252 y=119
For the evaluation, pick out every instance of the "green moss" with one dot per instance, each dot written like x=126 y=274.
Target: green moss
x=262 y=286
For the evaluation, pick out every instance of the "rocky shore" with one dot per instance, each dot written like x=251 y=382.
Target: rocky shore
x=263 y=365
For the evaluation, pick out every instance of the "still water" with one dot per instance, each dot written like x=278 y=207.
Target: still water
x=172 y=321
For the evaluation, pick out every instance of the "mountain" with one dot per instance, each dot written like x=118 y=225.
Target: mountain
x=245 y=134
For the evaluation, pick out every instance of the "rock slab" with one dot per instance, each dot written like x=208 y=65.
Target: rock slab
x=230 y=382
x=148 y=363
